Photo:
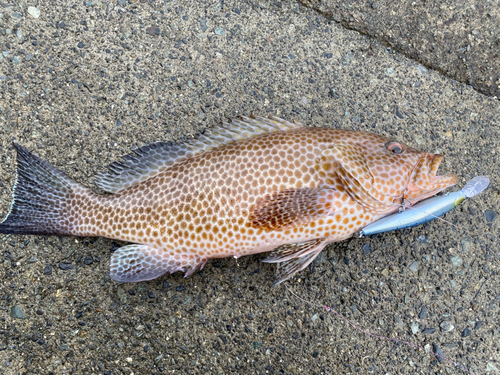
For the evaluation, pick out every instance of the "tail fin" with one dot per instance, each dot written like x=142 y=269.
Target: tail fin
x=41 y=194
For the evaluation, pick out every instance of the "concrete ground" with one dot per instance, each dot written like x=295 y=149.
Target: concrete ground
x=82 y=82
x=458 y=38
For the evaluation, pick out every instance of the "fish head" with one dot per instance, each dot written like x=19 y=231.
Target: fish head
x=378 y=172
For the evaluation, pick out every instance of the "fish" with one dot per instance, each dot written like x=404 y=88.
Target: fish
x=249 y=186
x=426 y=210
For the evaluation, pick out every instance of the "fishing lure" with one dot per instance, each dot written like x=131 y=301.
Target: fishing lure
x=426 y=210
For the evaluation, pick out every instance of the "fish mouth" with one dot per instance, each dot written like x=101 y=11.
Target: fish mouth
x=425 y=178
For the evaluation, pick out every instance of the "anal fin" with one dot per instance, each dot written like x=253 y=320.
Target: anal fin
x=288 y=268
x=135 y=263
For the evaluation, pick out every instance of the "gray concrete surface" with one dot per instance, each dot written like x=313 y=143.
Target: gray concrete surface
x=86 y=81
x=460 y=39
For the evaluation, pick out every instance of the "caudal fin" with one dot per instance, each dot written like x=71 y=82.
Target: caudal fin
x=41 y=195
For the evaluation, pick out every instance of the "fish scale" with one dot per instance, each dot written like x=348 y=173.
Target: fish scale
x=247 y=187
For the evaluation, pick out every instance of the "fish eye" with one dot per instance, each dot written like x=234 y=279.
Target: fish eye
x=395 y=147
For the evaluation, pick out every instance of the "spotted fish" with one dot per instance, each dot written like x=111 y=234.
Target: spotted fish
x=250 y=186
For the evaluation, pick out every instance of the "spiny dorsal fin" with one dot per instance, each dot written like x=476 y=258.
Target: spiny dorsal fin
x=147 y=161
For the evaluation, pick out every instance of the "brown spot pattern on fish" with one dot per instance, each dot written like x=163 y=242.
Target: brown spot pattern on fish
x=248 y=187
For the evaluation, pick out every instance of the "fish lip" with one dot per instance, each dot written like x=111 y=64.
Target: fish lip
x=439 y=182
x=448 y=179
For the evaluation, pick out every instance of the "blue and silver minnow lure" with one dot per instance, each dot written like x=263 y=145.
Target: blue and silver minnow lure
x=426 y=210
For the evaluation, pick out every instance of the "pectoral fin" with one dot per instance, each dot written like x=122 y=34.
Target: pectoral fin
x=291 y=207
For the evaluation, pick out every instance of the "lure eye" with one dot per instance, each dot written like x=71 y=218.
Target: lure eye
x=395 y=147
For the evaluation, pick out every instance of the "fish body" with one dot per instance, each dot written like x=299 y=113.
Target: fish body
x=426 y=210
x=251 y=186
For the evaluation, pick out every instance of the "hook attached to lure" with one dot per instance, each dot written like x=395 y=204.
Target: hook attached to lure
x=426 y=210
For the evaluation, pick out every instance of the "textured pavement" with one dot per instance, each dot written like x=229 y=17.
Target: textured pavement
x=460 y=39
x=86 y=81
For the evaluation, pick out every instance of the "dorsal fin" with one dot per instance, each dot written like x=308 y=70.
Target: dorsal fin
x=147 y=161
x=238 y=129
x=142 y=164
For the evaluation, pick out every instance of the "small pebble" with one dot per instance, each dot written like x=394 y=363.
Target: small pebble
x=398 y=114
x=34 y=12
x=423 y=313
x=332 y=93
x=478 y=325
x=367 y=248
x=153 y=30
x=438 y=352
x=47 y=270
x=66 y=266
x=429 y=330
x=423 y=239
x=17 y=15
x=180 y=288
x=466 y=332
x=414 y=266
x=414 y=327
x=219 y=31
x=490 y=216
x=16 y=312
x=80 y=45
x=491 y=367
x=456 y=261
x=447 y=326
x=466 y=244
x=203 y=24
